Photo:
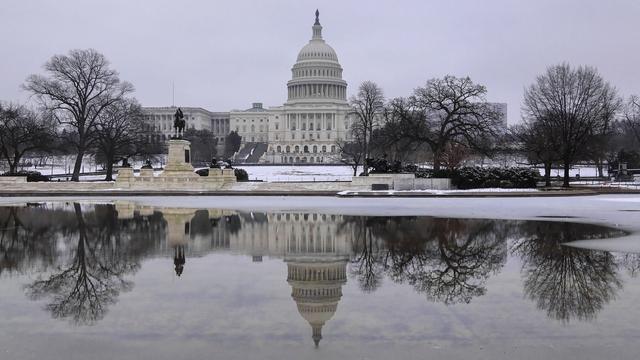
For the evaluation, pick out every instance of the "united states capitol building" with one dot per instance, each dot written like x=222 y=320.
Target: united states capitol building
x=305 y=129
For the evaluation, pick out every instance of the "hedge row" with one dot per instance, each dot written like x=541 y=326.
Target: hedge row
x=486 y=177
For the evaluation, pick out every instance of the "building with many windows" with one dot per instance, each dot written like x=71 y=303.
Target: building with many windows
x=305 y=129
x=160 y=120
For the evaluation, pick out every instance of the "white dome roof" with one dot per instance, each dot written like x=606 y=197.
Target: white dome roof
x=317 y=50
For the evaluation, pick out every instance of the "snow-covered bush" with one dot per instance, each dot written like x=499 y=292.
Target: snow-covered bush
x=486 y=177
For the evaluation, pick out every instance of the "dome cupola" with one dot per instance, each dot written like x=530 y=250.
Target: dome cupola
x=317 y=74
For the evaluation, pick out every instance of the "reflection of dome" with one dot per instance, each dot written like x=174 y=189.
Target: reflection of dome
x=317 y=288
x=317 y=74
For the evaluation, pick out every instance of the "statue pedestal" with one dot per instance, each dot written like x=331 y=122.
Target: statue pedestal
x=179 y=160
x=125 y=177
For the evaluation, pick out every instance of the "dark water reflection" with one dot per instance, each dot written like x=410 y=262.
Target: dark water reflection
x=79 y=258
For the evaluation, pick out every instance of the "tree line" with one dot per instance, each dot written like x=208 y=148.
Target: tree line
x=84 y=108
x=569 y=115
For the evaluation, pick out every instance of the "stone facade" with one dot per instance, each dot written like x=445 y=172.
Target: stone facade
x=160 y=122
x=178 y=174
x=305 y=129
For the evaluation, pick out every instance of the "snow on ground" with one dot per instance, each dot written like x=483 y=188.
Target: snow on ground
x=299 y=173
x=436 y=192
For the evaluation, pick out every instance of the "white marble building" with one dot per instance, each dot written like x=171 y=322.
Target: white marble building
x=160 y=119
x=305 y=129
x=316 y=115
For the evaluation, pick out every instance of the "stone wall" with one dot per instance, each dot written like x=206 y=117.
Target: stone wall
x=13 y=179
x=218 y=179
x=400 y=182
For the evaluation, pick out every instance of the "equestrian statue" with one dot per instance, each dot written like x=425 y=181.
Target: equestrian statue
x=179 y=124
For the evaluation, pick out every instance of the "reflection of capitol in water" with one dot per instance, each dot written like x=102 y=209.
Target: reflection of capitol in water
x=315 y=252
x=80 y=256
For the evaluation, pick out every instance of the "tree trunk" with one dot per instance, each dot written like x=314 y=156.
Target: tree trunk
x=436 y=159
x=567 y=166
x=77 y=166
x=109 y=176
x=547 y=174
x=355 y=169
x=13 y=167
x=599 y=166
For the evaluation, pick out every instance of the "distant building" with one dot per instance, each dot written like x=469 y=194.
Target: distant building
x=161 y=119
x=305 y=129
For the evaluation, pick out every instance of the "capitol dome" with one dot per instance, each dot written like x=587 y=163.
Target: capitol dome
x=317 y=49
x=317 y=75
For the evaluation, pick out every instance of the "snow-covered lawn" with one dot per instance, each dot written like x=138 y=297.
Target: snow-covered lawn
x=299 y=173
x=437 y=192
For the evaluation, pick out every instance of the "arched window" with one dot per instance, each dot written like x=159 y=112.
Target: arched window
x=333 y=148
x=297 y=159
x=278 y=148
x=318 y=159
x=315 y=148
x=304 y=159
x=297 y=148
x=288 y=149
x=311 y=159
x=306 y=149
x=291 y=161
x=324 y=148
x=253 y=128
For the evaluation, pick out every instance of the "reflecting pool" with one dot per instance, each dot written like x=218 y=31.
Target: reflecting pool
x=103 y=281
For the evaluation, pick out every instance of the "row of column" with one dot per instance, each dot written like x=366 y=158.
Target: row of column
x=321 y=90
x=307 y=274
x=302 y=245
x=220 y=126
x=327 y=121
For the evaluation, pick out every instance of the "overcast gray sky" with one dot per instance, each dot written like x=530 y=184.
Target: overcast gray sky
x=224 y=55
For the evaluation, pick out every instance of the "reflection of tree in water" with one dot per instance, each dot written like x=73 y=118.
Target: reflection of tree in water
x=567 y=282
x=447 y=259
x=27 y=237
x=94 y=277
x=631 y=262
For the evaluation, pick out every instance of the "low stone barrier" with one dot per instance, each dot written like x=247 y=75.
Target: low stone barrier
x=422 y=184
x=13 y=179
x=217 y=179
x=400 y=182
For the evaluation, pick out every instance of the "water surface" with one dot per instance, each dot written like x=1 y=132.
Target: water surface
x=106 y=281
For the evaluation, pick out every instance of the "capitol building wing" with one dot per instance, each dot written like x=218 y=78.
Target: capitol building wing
x=305 y=129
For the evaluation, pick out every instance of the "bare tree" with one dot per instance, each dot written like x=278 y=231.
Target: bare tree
x=77 y=89
x=368 y=105
x=538 y=142
x=632 y=117
x=576 y=103
x=23 y=131
x=352 y=153
x=119 y=133
x=447 y=111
